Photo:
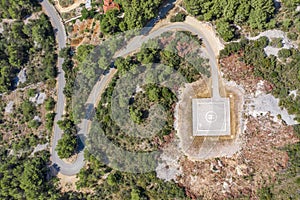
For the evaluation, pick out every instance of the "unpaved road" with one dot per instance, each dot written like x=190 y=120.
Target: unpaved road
x=69 y=8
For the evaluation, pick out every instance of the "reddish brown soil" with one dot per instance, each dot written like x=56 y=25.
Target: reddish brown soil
x=258 y=162
x=242 y=175
x=242 y=74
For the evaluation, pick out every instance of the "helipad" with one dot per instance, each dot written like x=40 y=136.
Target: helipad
x=211 y=117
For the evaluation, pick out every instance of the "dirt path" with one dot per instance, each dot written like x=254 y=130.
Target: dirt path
x=70 y=8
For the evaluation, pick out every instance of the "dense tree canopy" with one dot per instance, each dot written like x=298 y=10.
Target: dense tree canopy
x=257 y=14
x=29 y=46
x=67 y=145
x=136 y=14
x=18 y=9
x=25 y=178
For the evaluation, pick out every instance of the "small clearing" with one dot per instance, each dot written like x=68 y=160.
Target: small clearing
x=39 y=98
x=75 y=5
x=267 y=103
x=269 y=50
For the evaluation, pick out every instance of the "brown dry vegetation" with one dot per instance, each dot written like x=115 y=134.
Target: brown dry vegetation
x=85 y=32
x=242 y=74
x=12 y=128
x=243 y=174
x=260 y=158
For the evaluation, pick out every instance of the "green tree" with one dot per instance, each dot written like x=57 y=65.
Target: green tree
x=49 y=121
x=28 y=110
x=50 y=104
x=110 y=22
x=225 y=30
x=135 y=194
x=284 y=53
x=33 y=177
x=34 y=124
x=66 y=145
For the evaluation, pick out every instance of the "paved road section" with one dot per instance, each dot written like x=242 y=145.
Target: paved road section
x=73 y=168
x=61 y=39
x=137 y=42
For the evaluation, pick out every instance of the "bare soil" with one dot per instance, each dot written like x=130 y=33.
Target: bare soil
x=257 y=156
x=12 y=127
x=201 y=148
x=85 y=32
x=242 y=74
x=241 y=175
x=70 y=7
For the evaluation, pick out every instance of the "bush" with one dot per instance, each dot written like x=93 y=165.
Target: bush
x=34 y=124
x=49 y=121
x=284 y=53
x=49 y=104
x=28 y=110
x=292 y=36
x=225 y=30
x=31 y=92
x=276 y=42
x=180 y=17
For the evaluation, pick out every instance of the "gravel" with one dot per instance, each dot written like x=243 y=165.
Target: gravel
x=267 y=103
x=37 y=118
x=169 y=166
x=294 y=93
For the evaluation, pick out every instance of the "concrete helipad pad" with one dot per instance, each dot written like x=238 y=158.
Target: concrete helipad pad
x=211 y=117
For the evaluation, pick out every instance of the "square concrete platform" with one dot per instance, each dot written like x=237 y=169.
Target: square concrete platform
x=211 y=117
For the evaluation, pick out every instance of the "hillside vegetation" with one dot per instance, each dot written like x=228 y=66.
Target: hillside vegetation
x=136 y=14
x=27 y=46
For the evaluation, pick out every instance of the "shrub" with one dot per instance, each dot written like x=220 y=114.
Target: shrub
x=180 y=17
x=34 y=124
x=292 y=36
x=284 y=53
x=276 y=42
x=49 y=104
x=31 y=92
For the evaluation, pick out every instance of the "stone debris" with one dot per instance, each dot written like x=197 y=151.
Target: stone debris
x=267 y=103
x=37 y=118
x=294 y=93
x=269 y=50
x=9 y=107
x=169 y=166
x=22 y=77
x=38 y=98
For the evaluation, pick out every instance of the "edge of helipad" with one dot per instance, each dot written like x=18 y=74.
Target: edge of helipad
x=208 y=130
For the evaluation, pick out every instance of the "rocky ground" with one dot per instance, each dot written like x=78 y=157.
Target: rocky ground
x=13 y=125
x=259 y=156
x=243 y=174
